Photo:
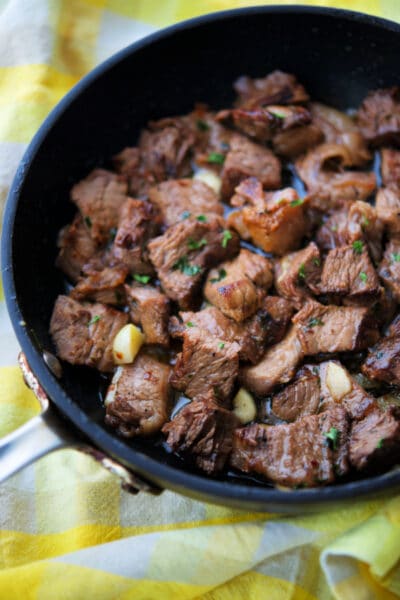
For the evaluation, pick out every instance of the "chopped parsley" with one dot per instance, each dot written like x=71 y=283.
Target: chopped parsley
x=395 y=257
x=380 y=444
x=216 y=158
x=94 y=320
x=202 y=218
x=221 y=345
x=332 y=437
x=195 y=245
x=297 y=202
x=363 y=276
x=202 y=125
x=314 y=322
x=185 y=215
x=189 y=324
x=185 y=267
x=302 y=271
x=226 y=236
x=334 y=227
x=317 y=262
x=358 y=246
x=221 y=275
x=365 y=221
x=141 y=278
x=277 y=114
x=88 y=221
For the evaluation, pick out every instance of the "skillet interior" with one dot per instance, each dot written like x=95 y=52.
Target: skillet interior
x=338 y=56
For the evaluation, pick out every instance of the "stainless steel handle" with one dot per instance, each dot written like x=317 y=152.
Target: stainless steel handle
x=49 y=432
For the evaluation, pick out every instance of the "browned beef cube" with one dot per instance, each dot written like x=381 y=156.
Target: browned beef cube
x=360 y=223
x=83 y=333
x=388 y=209
x=294 y=142
x=339 y=387
x=297 y=274
x=204 y=430
x=375 y=440
x=186 y=250
x=276 y=223
x=311 y=451
x=390 y=167
x=129 y=163
x=150 y=309
x=300 y=398
x=105 y=285
x=237 y=287
x=275 y=88
x=277 y=366
x=77 y=247
x=178 y=198
x=279 y=313
x=265 y=122
x=383 y=361
x=323 y=172
x=348 y=271
x=329 y=329
x=379 y=116
x=137 y=224
x=389 y=269
x=99 y=198
x=207 y=367
x=165 y=151
x=246 y=159
x=138 y=399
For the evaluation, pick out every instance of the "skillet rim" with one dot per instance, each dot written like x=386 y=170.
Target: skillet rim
x=190 y=484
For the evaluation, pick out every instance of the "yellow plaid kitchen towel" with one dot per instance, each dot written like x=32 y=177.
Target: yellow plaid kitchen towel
x=67 y=531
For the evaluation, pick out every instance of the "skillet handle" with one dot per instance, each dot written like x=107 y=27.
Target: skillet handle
x=49 y=432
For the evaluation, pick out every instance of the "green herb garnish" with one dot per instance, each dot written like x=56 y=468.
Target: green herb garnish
x=314 y=322
x=202 y=218
x=94 y=320
x=363 y=276
x=334 y=227
x=221 y=345
x=226 y=236
x=317 y=262
x=194 y=245
x=202 y=125
x=189 y=324
x=88 y=221
x=141 y=278
x=185 y=215
x=297 y=202
x=216 y=158
x=380 y=444
x=364 y=221
x=302 y=271
x=358 y=246
x=332 y=437
x=185 y=267
x=395 y=257
x=277 y=114
x=221 y=275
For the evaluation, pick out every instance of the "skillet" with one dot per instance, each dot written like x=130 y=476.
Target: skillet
x=338 y=56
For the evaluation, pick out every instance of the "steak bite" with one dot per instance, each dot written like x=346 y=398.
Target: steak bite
x=177 y=198
x=247 y=159
x=348 y=271
x=330 y=329
x=379 y=116
x=77 y=247
x=388 y=209
x=324 y=173
x=383 y=361
x=138 y=223
x=389 y=269
x=203 y=430
x=237 y=287
x=277 y=366
x=150 y=309
x=299 y=398
x=99 y=198
x=137 y=401
x=297 y=274
x=186 y=250
x=390 y=167
x=375 y=440
x=83 y=333
x=308 y=452
x=275 y=223
x=206 y=367
x=105 y=285
x=275 y=88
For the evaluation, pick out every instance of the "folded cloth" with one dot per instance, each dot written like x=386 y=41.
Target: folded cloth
x=67 y=530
